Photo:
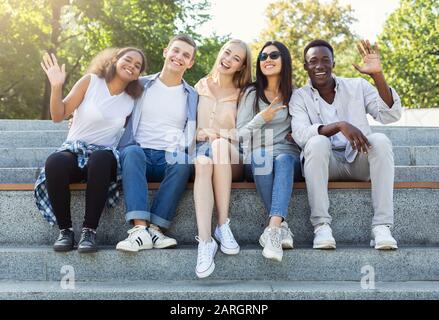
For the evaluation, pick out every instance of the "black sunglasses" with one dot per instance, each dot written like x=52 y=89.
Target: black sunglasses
x=273 y=55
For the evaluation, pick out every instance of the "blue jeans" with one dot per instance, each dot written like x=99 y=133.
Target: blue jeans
x=140 y=166
x=275 y=183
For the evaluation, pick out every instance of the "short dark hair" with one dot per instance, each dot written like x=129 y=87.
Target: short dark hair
x=185 y=38
x=317 y=43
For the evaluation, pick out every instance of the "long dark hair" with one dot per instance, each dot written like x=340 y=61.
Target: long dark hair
x=286 y=78
x=104 y=66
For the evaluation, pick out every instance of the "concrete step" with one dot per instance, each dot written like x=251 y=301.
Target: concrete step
x=300 y=264
x=410 y=136
x=36 y=157
x=32 y=125
x=219 y=290
x=38 y=133
x=402 y=174
x=416 y=218
x=29 y=139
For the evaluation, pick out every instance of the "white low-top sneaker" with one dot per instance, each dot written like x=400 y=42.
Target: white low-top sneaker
x=205 y=258
x=323 y=238
x=225 y=237
x=273 y=246
x=286 y=237
x=159 y=240
x=382 y=238
x=138 y=239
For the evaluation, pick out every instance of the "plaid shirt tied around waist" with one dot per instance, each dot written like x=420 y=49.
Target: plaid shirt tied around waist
x=83 y=152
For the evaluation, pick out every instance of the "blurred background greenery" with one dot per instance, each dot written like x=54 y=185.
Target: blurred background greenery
x=75 y=30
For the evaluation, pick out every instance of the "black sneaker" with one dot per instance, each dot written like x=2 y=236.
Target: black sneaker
x=87 y=244
x=65 y=241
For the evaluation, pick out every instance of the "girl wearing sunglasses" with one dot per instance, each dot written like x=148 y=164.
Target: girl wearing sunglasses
x=264 y=127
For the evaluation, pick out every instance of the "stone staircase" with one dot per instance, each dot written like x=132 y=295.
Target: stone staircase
x=29 y=269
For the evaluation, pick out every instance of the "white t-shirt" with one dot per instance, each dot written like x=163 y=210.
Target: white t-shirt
x=100 y=117
x=329 y=115
x=163 y=118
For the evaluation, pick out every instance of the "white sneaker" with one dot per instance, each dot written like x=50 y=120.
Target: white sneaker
x=382 y=238
x=286 y=237
x=225 y=237
x=138 y=239
x=206 y=254
x=323 y=238
x=273 y=246
x=159 y=240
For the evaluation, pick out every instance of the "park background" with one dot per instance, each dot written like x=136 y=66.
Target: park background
x=76 y=30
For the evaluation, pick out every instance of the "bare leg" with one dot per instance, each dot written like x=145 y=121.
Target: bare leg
x=203 y=196
x=222 y=176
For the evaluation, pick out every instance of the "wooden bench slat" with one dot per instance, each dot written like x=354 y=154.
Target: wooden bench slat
x=248 y=185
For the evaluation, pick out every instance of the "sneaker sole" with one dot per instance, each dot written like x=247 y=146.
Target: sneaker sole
x=285 y=245
x=325 y=246
x=270 y=255
x=63 y=249
x=206 y=273
x=87 y=250
x=230 y=252
x=261 y=242
x=385 y=246
x=122 y=248
x=165 y=246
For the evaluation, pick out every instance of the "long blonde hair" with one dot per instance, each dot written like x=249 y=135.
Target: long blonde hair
x=240 y=78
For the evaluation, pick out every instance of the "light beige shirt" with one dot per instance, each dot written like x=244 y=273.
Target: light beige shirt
x=354 y=98
x=216 y=115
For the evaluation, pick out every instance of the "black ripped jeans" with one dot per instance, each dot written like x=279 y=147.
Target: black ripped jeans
x=62 y=170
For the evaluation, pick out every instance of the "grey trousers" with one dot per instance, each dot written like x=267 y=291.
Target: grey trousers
x=322 y=165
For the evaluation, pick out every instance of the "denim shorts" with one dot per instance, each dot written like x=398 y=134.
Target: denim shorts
x=204 y=148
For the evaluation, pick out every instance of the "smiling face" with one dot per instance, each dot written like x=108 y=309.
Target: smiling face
x=179 y=57
x=319 y=63
x=231 y=59
x=128 y=67
x=271 y=67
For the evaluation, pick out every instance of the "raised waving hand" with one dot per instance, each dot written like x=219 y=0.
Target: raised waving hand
x=56 y=75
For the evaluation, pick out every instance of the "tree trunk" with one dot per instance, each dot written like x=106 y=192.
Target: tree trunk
x=56 y=6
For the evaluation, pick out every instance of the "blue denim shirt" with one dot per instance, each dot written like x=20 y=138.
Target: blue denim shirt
x=187 y=143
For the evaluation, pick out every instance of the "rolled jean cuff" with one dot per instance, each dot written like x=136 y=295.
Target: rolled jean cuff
x=137 y=215
x=277 y=214
x=317 y=221
x=159 y=221
x=390 y=224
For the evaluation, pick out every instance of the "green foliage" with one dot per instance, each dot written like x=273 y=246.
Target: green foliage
x=208 y=50
x=295 y=23
x=410 y=52
x=84 y=28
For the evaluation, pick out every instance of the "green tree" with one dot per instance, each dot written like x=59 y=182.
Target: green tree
x=78 y=29
x=297 y=22
x=410 y=52
x=208 y=50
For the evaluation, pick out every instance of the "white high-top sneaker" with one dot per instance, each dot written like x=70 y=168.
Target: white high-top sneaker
x=205 y=258
x=382 y=238
x=225 y=237
x=138 y=239
x=286 y=237
x=159 y=240
x=323 y=238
